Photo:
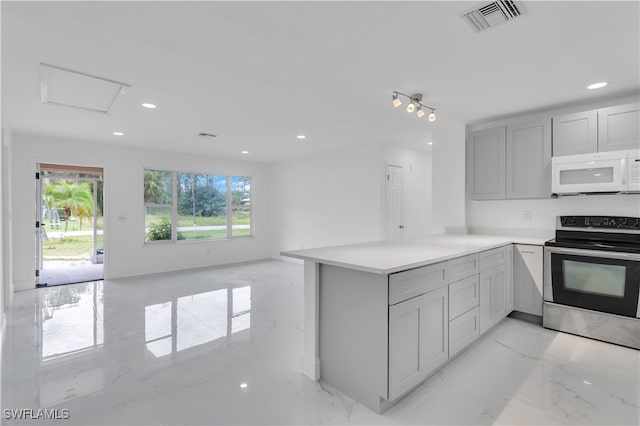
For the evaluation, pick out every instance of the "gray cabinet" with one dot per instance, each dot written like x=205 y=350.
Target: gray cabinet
x=486 y=164
x=492 y=297
x=528 y=168
x=575 y=133
x=527 y=278
x=418 y=340
x=619 y=127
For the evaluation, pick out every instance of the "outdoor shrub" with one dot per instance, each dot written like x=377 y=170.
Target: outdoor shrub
x=159 y=231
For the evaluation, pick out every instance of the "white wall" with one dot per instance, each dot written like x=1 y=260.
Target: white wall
x=328 y=199
x=2 y=237
x=507 y=215
x=125 y=252
x=448 y=176
x=338 y=197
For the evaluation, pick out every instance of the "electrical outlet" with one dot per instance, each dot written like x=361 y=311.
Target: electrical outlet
x=526 y=215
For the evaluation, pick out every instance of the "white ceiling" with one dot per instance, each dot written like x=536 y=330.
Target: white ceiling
x=259 y=73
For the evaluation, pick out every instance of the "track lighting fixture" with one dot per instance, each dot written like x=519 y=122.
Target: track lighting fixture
x=415 y=104
x=396 y=102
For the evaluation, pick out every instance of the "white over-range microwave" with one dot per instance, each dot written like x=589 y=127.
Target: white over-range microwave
x=615 y=171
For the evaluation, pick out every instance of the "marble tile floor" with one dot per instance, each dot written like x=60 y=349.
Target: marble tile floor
x=223 y=346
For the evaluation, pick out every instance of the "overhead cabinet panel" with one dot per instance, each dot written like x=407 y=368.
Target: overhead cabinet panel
x=575 y=133
x=529 y=160
x=619 y=128
x=486 y=164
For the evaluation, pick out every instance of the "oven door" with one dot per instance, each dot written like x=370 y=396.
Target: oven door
x=595 y=280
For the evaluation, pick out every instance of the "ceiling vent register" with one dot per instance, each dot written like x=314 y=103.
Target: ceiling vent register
x=489 y=15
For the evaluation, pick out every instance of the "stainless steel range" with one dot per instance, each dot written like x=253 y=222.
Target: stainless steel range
x=592 y=278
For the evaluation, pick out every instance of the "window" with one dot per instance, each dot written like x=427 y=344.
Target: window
x=241 y=205
x=198 y=207
x=202 y=206
x=158 y=205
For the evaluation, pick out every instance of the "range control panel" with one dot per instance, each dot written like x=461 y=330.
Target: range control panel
x=601 y=222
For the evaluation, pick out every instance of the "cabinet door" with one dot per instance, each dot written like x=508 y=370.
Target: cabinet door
x=485 y=164
x=575 y=133
x=619 y=128
x=529 y=160
x=527 y=274
x=418 y=340
x=492 y=297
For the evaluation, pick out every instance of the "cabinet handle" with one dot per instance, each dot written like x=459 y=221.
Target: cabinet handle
x=528 y=252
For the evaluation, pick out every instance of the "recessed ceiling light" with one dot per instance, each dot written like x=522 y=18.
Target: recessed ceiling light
x=148 y=105
x=243 y=385
x=597 y=85
x=429 y=143
x=244 y=152
x=118 y=133
x=301 y=137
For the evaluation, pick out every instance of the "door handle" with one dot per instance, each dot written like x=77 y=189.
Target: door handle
x=401 y=226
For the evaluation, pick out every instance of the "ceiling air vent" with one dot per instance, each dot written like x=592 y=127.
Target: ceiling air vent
x=489 y=15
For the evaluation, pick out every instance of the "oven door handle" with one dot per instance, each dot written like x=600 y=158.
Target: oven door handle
x=594 y=253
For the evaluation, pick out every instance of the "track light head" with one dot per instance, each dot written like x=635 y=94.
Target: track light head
x=432 y=116
x=420 y=112
x=396 y=101
x=411 y=107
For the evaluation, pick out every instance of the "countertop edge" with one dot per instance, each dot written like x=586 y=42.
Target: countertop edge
x=386 y=271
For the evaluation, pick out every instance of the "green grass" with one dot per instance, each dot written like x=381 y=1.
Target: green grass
x=74 y=225
x=70 y=246
x=239 y=218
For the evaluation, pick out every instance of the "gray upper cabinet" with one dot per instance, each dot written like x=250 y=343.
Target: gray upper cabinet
x=575 y=133
x=486 y=164
x=619 y=127
x=529 y=160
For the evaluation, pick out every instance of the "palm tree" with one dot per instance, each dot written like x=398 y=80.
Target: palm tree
x=74 y=197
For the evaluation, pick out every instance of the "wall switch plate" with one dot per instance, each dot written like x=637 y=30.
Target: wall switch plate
x=526 y=215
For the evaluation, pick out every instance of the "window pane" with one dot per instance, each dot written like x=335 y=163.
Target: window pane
x=157 y=224
x=157 y=187
x=202 y=206
x=241 y=205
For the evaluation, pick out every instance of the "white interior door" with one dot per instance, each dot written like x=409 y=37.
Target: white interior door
x=394 y=211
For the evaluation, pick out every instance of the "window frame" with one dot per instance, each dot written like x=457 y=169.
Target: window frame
x=174 y=209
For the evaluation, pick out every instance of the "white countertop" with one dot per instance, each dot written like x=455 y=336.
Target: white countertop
x=386 y=257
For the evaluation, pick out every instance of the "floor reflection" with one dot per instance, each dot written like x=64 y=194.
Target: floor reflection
x=188 y=321
x=71 y=319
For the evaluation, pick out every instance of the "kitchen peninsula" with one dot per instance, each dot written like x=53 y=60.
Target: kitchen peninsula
x=381 y=317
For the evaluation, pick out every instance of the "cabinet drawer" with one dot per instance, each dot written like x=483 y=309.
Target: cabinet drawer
x=492 y=258
x=462 y=267
x=463 y=295
x=463 y=330
x=407 y=284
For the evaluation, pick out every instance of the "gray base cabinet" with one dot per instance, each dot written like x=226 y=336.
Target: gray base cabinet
x=380 y=336
x=527 y=279
x=492 y=294
x=418 y=340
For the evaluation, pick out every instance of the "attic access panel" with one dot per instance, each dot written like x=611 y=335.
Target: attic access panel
x=61 y=86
